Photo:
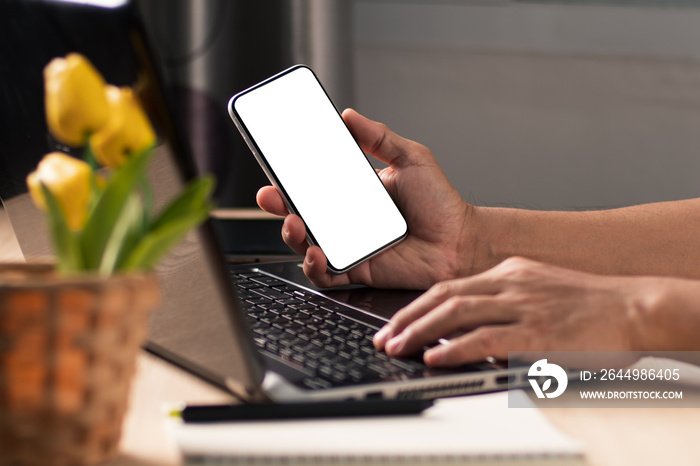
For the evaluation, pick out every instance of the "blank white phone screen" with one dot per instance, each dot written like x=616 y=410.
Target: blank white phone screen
x=319 y=166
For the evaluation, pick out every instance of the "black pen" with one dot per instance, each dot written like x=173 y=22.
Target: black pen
x=300 y=410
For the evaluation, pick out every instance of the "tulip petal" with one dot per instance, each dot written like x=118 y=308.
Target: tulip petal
x=127 y=132
x=69 y=180
x=74 y=99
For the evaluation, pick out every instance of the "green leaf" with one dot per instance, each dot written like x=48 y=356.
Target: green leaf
x=192 y=198
x=147 y=197
x=129 y=222
x=186 y=211
x=158 y=242
x=108 y=209
x=65 y=241
x=89 y=157
x=137 y=231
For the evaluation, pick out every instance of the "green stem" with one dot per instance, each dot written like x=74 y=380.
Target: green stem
x=89 y=158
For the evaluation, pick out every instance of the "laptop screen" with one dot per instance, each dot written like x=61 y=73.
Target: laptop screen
x=191 y=326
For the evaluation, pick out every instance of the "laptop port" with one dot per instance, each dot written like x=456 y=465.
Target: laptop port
x=505 y=379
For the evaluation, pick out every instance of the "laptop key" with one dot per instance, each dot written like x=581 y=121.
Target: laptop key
x=291 y=302
x=249 y=285
x=267 y=281
x=274 y=334
x=306 y=308
x=312 y=364
x=302 y=294
x=325 y=370
x=303 y=347
x=283 y=288
x=339 y=376
x=299 y=358
x=317 y=342
x=368 y=349
x=272 y=307
x=316 y=384
x=333 y=348
x=244 y=275
x=316 y=353
x=269 y=293
x=259 y=300
x=360 y=360
x=381 y=369
x=330 y=359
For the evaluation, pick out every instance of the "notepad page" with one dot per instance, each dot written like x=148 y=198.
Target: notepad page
x=478 y=427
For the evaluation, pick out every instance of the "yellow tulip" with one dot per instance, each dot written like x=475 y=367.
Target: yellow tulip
x=68 y=179
x=127 y=131
x=75 y=99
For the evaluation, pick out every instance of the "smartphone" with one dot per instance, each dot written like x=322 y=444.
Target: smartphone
x=306 y=150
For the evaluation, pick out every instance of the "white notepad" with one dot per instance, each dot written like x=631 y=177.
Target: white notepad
x=472 y=429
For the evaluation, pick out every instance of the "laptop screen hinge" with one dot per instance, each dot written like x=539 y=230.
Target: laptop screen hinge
x=246 y=394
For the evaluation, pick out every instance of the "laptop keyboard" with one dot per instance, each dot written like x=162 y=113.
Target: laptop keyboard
x=312 y=333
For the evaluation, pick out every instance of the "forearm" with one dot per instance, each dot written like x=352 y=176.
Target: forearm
x=652 y=239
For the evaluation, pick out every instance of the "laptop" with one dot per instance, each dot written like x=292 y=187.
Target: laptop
x=262 y=331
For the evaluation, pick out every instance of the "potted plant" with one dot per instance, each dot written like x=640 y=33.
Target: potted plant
x=70 y=331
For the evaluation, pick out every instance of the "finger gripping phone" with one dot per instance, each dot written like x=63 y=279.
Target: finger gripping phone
x=309 y=155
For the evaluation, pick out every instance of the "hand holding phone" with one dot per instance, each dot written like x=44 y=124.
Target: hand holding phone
x=309 y=155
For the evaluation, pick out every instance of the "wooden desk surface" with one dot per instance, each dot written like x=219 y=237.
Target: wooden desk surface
x=621 y=436
x=610 y=436
x=156 y=385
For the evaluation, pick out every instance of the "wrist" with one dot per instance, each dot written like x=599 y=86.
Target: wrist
x=476 y=248
x=484 y=239
x=665 y=314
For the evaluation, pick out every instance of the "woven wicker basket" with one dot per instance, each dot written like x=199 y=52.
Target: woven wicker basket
x=68 y=348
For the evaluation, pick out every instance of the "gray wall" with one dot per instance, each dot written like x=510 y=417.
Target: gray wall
x=539 y=105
